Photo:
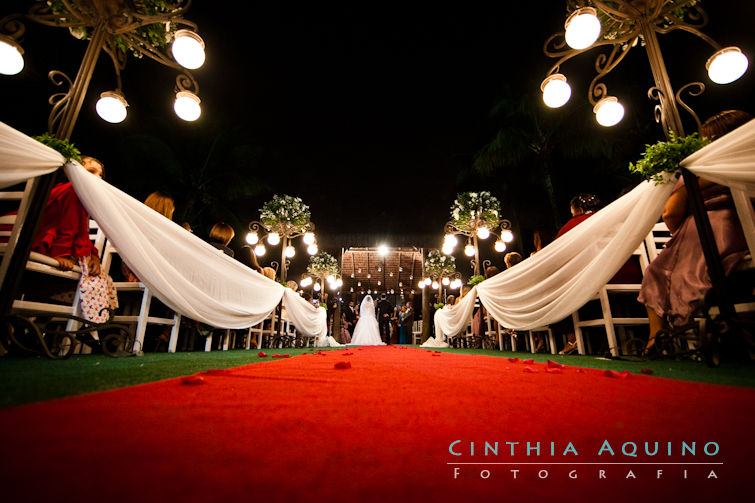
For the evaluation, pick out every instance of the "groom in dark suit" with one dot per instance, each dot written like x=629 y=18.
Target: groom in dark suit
x=384 y=312
x=351 y=317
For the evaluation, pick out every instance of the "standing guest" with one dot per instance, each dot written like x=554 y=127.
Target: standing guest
x=407 y=322
x=220 y=235
x=384 y=310
x=350 y=317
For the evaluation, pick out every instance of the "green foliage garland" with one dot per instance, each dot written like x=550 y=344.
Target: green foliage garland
x=476 y=280
x=665 y=156
x=65 y=147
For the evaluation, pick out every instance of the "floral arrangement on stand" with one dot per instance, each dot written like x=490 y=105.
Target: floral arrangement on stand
x=663 y=158
x=476 y=280
x=286 y=210
x=437 y=263
x=471 y=206
x=322 y=264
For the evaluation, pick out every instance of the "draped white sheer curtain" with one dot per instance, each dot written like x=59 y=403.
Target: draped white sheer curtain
x=564 y=275
x=187 y=274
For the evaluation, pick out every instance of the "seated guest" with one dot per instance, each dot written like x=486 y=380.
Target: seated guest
x=64 y=229
x=678 y=278
x=220 y=235
x=164 y=205
x=511 y=259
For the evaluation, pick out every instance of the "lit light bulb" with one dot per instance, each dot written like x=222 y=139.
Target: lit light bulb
x=483 y=232
x=308 y=238
x=500 y=246
x=582 y=28
x=312 y=250
x=726 y=65
x=316 y=287
x=446 y=281
x=507 y=236
x=111 y=107
x=435 y=285
x=450 y=240
x=556 y=91
x=379 y=283
x=188 y=49
x=421 y=285
x=187 y=106
x=252 y=238
x=273 y=238
x=469 y=251
x=428 y=281
x=608 y=111
x=290 y=251
x=339 y=282
x=447 y=250
x=259 y=250
x=11 y=59
x=383 y=250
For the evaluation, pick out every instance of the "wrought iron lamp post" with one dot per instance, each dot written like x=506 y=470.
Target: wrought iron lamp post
x=116 y=27
x=282 y=232
x=620 y=25
x=475 y=230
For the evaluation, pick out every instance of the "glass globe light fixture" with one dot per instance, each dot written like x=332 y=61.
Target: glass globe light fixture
x=188 y=49
x=259 y=250
x=312 y=250
x=316 y=288
x=726 y=65
x=435 y=285
x=483 y=232
x=469 y=251
x=608 y=111
x=556 y=91
x=421 y=285
x=339 y=282
x=330 y=278
x=383 y=250
x=379 y=283
x=306 y=281
x=447 y=250
x=290 y=251
x=252 y=238
x=446 y=281
x=11 y=56
x=308 y=238
x=428 y=281
x=111 y=107
x=582 y=28
x=187 y=106
x=273 y=238
x=507 y=236
x=500 y=246
x=450 y=240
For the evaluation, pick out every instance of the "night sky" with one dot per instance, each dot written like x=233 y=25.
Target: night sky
x=371 y=113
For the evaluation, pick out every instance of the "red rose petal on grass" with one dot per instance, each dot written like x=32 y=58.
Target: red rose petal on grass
x=554 y=370
x=646 y=371
x=342 y=365
x=617 y=375
x=555 y=365
x=261 y=354
x=528 y=362
x=216 y=372
x=513 y=360
x=192 y=380
x=529 y=370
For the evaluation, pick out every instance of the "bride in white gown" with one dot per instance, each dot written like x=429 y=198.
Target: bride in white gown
x=367 y=332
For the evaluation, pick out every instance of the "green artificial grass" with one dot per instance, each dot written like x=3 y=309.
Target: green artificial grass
x=27 y=379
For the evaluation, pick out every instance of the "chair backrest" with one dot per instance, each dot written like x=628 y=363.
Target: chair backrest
x=656 y=240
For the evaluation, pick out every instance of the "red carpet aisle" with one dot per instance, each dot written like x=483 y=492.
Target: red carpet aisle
x=299 y=429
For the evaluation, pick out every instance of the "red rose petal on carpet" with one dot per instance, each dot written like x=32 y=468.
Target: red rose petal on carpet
x=192 y=380
x=554 y=370
x=617 y=375
x=530 y=370
x=581 y=371
x=281 y=356
x=513 y=360
x=553 y=364
x=436 y=354
x=528 y=362
x=348 y=354
x=646 y=371
x=342 y=365
x=261 y=354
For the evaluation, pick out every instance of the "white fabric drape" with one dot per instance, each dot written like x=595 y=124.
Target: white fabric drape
x=23 y=157
x=564 y=275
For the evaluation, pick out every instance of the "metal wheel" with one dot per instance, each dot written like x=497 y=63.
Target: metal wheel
x=60 y=344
